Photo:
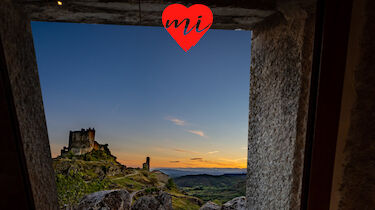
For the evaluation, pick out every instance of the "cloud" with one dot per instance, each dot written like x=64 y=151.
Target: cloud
x=179 y=122
x=210 y=162
x=197 y=132
x=185 y=151
x=212 y=152
x=176 y=121
x=174 y=161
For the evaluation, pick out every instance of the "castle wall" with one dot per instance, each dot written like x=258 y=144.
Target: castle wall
x=91 y=135
x=81 y=142
x=96 y=146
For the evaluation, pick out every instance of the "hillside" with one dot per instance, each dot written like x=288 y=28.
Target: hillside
x=219 y=189
x=80 y=175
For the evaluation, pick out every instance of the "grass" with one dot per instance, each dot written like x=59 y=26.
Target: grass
x=77 y=176
x=179 y=203
x=128 y=183
x=72 y=187
x=218 y=189
x=216 y=194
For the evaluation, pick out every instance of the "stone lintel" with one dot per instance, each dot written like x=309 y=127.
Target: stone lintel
x=227 y=14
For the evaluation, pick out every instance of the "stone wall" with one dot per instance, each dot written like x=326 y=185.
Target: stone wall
x=279 y=92
x=81 y=142
x=19 y=52
x=239 y=14
x=354 y=174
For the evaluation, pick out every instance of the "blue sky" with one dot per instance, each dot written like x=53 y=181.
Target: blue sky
x=146 y=96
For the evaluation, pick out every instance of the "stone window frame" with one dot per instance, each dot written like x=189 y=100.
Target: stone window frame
x=282 y=43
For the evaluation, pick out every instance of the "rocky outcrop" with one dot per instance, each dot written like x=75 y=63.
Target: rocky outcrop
x=238 y=203
x=210 y=206
x=161 y=202
x=195 y=200
x=109 y=199
x=146 y=202
x=162 y=177
x=165 y=200
x=100 y=169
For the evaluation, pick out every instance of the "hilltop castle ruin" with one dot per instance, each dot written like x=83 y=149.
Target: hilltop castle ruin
x=146 y=165
x=82 y=142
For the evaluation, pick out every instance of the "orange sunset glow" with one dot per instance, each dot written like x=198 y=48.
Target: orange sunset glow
x=176 y=158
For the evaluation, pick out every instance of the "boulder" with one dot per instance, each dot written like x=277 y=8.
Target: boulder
x=210 y=206
x=163 y=201
x=106 y=200
x=238 y=203
x=195 y=200
x=147 y=202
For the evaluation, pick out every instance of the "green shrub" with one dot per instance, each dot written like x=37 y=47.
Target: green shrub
x=97 y=155
x=154 y=181
x=72 y=187
x=69 y=155
x=171 y=185
x=145 y=173
x=151 y=190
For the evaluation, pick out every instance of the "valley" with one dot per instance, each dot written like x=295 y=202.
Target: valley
x=218 y=189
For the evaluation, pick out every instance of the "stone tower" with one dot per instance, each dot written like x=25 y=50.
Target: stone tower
x=146 y=165
x=81 y=142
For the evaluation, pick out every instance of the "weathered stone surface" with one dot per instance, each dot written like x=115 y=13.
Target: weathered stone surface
x=279 y=93
x=227 y=14
x=210 y=206
x=146 y=202
x=195 y=200
x=163 y=201
x=238 y=203
x=106 y=200
x=17 y=40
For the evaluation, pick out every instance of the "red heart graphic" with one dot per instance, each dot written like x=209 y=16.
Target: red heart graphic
x=187 y=25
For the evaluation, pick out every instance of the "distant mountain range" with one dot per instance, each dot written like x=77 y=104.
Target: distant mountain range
x=178 y=172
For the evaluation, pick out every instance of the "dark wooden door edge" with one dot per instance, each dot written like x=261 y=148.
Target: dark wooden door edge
x=329 y=62
x=14 y=180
